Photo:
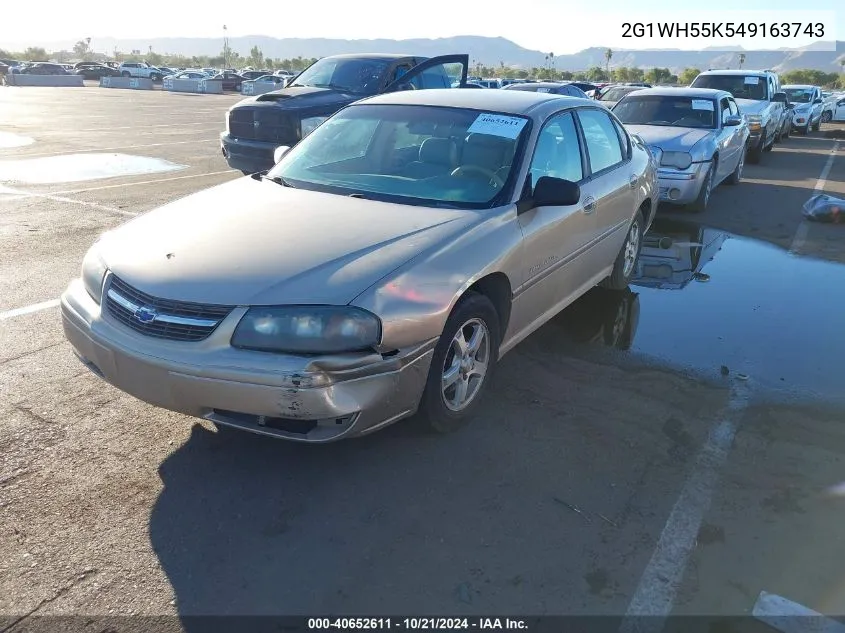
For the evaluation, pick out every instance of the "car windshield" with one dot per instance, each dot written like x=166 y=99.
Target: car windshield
x=615 y=94
x=799 y=95
x=418 y=155
x=667 y=111
x=358 y=76
x=740 y=86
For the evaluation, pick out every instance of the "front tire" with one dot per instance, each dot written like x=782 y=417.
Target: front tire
x=125 y=74
x=817 y=125
x=626 y=261
x=756 y=153
x=462 y=365
x=703 y=198
x=736 y=175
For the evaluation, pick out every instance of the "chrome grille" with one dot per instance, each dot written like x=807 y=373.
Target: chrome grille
x=162 y=318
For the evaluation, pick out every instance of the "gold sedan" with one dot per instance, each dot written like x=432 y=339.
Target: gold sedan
x=381 y=268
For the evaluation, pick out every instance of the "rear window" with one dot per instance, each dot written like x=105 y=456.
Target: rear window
x=740 y=86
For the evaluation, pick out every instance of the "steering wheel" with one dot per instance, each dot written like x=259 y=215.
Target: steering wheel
x=494 y=178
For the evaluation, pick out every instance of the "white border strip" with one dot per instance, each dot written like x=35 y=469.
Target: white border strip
x=37 y=307
x=790 y=617
x=658 y=586
x=803 y=227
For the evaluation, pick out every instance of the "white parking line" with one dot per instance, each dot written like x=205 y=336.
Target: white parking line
x=790 y=617
x=804 y=227
x=59 y=198
x=137 y=125
x=147 y=182
x=109 y=149
x=37 y=307
x=658 y=586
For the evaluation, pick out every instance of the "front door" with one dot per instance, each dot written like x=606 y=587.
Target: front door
x=433 y=73
x=553 y=237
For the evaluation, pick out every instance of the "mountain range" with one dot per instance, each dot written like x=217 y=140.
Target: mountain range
x=489 y=51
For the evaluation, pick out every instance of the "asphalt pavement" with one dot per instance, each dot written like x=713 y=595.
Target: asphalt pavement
x=661 y=451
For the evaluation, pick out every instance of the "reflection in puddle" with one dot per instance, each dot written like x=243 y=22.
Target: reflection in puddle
x=78 y=167
x=762 y=312
x=8 y=140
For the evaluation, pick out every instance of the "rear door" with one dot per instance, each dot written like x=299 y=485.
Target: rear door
x=430 y=72
x=610 y=189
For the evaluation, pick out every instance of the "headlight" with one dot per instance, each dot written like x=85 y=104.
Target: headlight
x=754 y=121
x=307 y=329
x=310 y=124
x=93 y=273
x=679 y=160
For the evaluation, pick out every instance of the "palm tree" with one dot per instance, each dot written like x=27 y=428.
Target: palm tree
x=741 y=60
x=608 y=55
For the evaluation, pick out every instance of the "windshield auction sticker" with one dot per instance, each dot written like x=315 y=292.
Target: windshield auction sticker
x=702 y=104
x=497 y=125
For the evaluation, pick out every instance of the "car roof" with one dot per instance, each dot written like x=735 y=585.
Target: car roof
x=537 y=84
x=703 y=93
x=385 y=56
x=734 y=71
x=800 y=86
x=517 y=102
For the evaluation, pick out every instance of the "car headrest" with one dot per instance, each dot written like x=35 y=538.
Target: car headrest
x=440 y=151
x=486 y=150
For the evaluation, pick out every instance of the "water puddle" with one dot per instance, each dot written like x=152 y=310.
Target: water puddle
x=9 y=140
x=704 y=299
x=79 y=167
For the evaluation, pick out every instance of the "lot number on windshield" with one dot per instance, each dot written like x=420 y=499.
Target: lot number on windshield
x=497 y=125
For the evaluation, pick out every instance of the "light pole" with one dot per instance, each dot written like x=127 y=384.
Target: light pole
x=225 y=48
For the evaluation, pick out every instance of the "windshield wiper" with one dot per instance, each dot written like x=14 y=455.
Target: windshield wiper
x=333 y=87
x=278 y=180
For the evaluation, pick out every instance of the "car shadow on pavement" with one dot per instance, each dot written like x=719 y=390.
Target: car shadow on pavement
x=404 y=521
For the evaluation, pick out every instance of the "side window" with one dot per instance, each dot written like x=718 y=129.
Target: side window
x=725 y=107
x=603 y=148
x=733 y=107
x=400 y=70
x=558 y=151
x=623 y=138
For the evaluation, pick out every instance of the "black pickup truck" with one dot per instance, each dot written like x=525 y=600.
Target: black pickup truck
x=255 y=127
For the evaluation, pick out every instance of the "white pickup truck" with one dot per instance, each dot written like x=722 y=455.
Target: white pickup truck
x=140 y=69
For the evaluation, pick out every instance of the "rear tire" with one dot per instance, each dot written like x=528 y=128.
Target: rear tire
x=125 y=74
x=826 y=116
x=463 y=363
x=626 y=262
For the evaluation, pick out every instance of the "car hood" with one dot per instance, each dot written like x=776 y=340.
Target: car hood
x=250 y=242
x=669 y=138
x=304 y=97
x=751 y=106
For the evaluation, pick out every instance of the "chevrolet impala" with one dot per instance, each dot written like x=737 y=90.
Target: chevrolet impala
x=380 y=269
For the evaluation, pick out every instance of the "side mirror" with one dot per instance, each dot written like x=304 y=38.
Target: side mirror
x=732 y=121
x=556 y=192
x=779 y=97
x=279 y=152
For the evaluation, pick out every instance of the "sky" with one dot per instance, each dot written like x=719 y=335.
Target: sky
x=558 y=26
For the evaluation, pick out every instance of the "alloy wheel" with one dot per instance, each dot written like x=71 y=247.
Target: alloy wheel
x=632 y=249
x=466 y=365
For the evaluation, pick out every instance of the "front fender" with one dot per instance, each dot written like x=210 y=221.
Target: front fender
x=414 y=301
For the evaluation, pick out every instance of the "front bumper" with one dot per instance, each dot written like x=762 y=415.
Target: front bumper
x=246 y=155
x=801 y=120
x=681 y=187
x=308 y=399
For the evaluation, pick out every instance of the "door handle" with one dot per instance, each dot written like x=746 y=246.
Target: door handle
x=589 y=204
x=634 y=181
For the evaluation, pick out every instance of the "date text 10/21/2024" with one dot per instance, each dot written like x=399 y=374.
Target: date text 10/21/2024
x=418 y=624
